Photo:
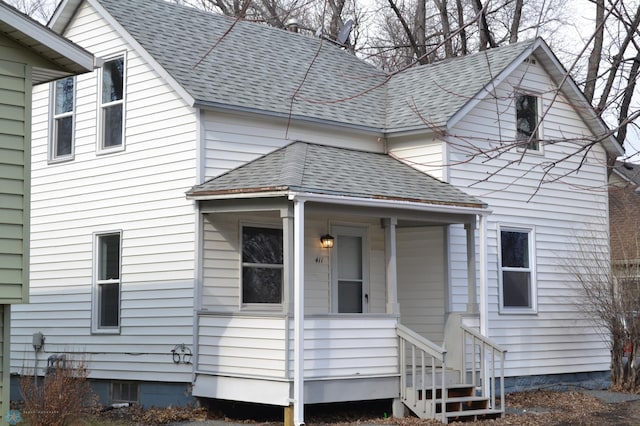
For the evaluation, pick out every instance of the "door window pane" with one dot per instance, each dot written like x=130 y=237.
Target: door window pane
x=349 y=297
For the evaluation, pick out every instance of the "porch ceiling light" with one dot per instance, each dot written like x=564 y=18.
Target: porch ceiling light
x=326 y=241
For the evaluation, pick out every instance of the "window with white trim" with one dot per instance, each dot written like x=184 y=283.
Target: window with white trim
x=262 y=265
x=527 y=121
x=517 y=273
x=107 y=268
x=112 y=104
x=63 y=120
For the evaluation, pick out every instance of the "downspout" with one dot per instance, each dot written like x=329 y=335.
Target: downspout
x=298 y=311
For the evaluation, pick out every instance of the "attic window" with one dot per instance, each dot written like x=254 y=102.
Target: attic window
x=530 y=60
x=527 y=122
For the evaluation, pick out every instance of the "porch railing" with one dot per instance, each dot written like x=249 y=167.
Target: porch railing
x=483 y=359
x=423 y=355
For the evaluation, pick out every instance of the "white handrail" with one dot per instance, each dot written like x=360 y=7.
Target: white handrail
x=487 y=351
x=427 y=351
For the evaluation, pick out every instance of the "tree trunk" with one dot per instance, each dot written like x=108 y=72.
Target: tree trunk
x=596 y=53
x=446 y=27
x=515 y=24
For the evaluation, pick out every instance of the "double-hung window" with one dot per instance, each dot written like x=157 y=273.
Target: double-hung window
x=63 y=120
x=527 y=121
x=517 y=272
x=108 y=261
x=262 y=265
x=112 y=104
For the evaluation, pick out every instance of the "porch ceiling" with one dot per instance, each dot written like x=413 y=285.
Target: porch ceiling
x=335 y=175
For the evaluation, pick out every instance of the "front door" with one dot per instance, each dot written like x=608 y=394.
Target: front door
x=350 y=278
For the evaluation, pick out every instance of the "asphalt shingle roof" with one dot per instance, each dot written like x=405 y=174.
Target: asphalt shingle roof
x=219 y=61
x=328 y=170
x=248 y=65
x=440 y=89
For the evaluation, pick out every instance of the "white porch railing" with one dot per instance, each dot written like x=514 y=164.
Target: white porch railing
x=423 y=355
x=484 y=359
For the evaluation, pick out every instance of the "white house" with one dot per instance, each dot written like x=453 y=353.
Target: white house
x=176 y=244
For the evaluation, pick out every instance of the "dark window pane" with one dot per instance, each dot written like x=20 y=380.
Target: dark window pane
x=112 y=133
x=64 y=95
x=112 y=80
x=515 y=249
x=109 y=257
x=349 y=297
x=262 y=245
x=515 y=289
x=261 y=285
x=64 y=132
x=109 y=295
x=527 y=120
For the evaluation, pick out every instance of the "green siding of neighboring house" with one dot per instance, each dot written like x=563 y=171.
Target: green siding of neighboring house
x=14 y=180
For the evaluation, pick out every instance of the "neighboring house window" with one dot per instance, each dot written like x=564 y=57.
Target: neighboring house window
x=350 y=278
x=517 y=270
x=262 y=265
x=527 y=119
x=108 y=261
x=112 y=104
x=63 y=122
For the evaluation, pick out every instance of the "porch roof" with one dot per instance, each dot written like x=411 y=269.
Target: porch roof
x=334 y=171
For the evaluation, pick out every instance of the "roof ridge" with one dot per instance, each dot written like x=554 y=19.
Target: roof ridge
x=295 y=155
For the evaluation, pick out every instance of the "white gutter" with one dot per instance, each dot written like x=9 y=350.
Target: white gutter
x=298 y=310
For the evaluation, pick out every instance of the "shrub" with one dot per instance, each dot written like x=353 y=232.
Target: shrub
x=62 y=396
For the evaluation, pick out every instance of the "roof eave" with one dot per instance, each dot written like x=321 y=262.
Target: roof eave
x=219 y=106
x=67 y=56
x=374 y=201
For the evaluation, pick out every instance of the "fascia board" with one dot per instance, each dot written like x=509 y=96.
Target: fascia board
x=42 y=35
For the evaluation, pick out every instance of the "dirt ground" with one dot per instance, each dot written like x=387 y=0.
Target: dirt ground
x=537 y=408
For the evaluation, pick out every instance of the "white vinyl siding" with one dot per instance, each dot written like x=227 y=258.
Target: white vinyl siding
x=233 y=139
x=255 y=346
x=422 y=280
x=560 y=212
x=139 y=191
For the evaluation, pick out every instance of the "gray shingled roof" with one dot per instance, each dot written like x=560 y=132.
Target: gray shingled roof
x=327 y=170
x=253 y=66
x=439 y=90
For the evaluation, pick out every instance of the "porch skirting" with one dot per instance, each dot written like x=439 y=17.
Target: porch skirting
x=275 y=392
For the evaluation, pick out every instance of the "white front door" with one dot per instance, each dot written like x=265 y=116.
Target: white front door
x=350 y=287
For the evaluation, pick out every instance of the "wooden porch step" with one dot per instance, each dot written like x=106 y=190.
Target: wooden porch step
x=463 y=403
x=453 y=391
x=471 y=415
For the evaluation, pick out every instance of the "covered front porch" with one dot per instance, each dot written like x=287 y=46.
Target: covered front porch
x=283 y=320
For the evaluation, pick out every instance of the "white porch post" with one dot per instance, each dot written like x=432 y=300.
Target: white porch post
x=484 y=300
x=298 y=323
x=392 y=269
x=472 y=299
